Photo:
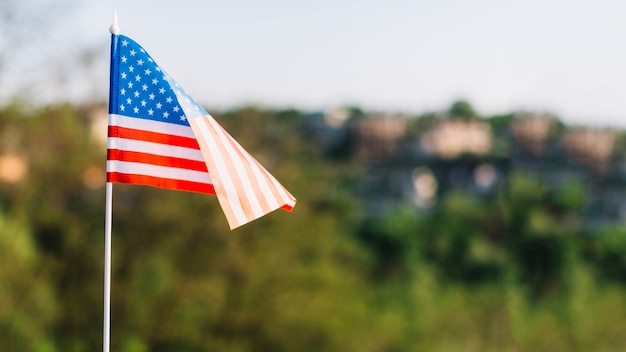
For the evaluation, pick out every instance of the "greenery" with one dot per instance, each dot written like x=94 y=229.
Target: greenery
x=511 y=270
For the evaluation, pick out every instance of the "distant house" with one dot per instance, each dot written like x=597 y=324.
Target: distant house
x=590 y=147
x=98 y=115
x=532 y=132
x=451 y=138
x=13 y=168
x=378 y=137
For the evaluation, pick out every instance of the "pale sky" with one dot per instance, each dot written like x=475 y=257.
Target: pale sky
x=567 y=57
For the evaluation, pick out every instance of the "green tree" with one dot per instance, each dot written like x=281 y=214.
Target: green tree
x=28 y=306
x=462 y=108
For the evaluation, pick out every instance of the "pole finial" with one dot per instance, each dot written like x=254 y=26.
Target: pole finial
x=115 y=28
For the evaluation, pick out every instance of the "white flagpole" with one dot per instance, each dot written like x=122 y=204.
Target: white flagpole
x=106 y=333
x=106 y=336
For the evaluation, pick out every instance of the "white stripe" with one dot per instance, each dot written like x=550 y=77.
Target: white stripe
x=150 y=125
x=262 y=176
x=239 y=167
x=222 y=173
x=287 y=198
x=158 y=171
x=133 y=145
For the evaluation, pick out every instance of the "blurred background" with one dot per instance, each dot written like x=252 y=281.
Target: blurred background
x=460 y=173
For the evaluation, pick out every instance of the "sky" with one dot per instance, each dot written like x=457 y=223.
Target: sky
x=562 y=57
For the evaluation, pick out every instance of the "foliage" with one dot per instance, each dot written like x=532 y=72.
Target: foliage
x=508 y=270
x=27 y=302
x=462 y=108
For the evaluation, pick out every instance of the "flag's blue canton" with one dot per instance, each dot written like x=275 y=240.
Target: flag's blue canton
x=144 y=90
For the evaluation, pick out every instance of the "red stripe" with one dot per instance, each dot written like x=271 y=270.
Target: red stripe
x=168 y=183
x=287 y=207
x=155 y=137
x=153 y=159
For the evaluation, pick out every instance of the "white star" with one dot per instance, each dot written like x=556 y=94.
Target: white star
x=144 y=87
x=169 y=99
x=143 y=103
x=136 y=94
x=122 y=107
x=166 y=114
x=138 y=78
x=155 y=81
x=162 y=91
x=136 y=110
x=147 y=71
x=176 y=109
x=122 y=91
x=140 y=62
x=143 y=51
x=130 y=84
x=131 y=69
x=133 y=52
x=128 y=101
x=151 y=96
x=125 y=42
x=158 y=69
x=150 y=112
x=158 y=105
x=183 y=118
x=124 y=59
x=150 y=59
x=123 y=75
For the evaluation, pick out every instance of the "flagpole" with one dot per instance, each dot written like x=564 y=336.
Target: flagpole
x=106 y=329
x=106 y=334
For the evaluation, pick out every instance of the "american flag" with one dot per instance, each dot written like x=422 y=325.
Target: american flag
x=159 y=136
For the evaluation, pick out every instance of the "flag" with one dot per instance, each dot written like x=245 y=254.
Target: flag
x=160 y=136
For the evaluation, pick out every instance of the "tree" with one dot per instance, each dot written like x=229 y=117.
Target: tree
x=462 y=108
x=28 y=302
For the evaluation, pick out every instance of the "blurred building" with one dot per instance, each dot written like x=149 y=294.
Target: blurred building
x=336 y=118
x=328 y=130
x=378 y=137
x=591 y=147
x=13 y=164
x=13 y=168
x=98 y=115
x=450 y=139
x=419 y=162
x=532 y=132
